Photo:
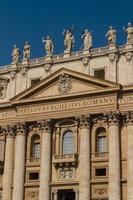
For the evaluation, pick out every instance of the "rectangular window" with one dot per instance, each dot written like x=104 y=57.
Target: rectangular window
x=100 y=172
x=34 y=81
x=99 y=73
x=102 y=144
x=34 y=176
x=37 y=150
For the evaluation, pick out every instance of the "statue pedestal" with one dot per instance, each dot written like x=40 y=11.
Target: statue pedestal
x=25 y=62
x=86 y=51
x=48 y=57
x=128 y=46
x=112 y=47
x=67 y=54
x=13 y=65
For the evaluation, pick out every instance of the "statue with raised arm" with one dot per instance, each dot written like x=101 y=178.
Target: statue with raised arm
x=68 y=39
x=49 y=47
x=87 y=37
x=129 y=32
x=15 y=55
x=26 y=51
x=111 y=35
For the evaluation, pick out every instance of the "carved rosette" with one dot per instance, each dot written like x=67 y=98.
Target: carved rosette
x=113 y=57
x=128 y=118
x=65 y=84
x=21 y=128
x=84 y=121
x=113 y=118
x=44 y=125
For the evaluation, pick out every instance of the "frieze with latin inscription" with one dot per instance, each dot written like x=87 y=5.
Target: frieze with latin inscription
x=64 y=106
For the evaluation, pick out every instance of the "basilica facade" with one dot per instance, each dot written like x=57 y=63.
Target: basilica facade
x=66 y=123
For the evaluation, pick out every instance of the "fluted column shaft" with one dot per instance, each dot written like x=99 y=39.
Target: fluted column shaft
x=8 y=166
x=114 y=157
x=84 y=159
x=19 y=170
x=129 y=121
x=45 y=169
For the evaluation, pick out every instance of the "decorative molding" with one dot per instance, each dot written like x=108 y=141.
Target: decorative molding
x=100 y=191
x=66 y=173
x=128 y=118
x=85 y=61
x=65 y=84
x=13 y=74
x=129 y=56
x=113 y=117
x=3 y=86
x=24 y=70
x=31 y=195
x=21 y=128
x=9 y=131
x=100 y=120
x=113 y=57
x=44 y=125
x=84 y=121
x=47 y=67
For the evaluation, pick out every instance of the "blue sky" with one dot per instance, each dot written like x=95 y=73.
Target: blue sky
x=22 y=20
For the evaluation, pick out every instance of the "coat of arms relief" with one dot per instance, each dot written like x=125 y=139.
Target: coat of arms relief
x=65 y=84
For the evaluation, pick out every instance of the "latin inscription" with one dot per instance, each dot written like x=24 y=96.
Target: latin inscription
x=44 y=108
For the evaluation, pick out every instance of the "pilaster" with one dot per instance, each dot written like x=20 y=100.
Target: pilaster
x=19 y=168
x=45 y=169
x=84 y=158
x=8 y=166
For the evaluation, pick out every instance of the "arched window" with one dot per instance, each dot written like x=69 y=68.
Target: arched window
x=101 y=140
x=68 y=142
x=35 y=146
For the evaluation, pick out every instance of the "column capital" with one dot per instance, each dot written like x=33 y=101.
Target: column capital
x=21 y=128
x=128 y=118
x=45 y=125
x=84 y=121
x=9 y=131
x=113 y=118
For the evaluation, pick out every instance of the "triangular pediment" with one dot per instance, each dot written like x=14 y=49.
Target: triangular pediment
x=65 y=83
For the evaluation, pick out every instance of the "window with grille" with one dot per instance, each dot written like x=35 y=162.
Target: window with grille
x=68 y=142
x=101 y=140
x=35 y=146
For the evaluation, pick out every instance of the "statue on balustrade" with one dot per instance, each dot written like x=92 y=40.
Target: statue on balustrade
x=129 y=32
x=87 y=37
x=49 y=47
x=15 y=55
x=26 y=51
x=111 y=35
x=68 y=39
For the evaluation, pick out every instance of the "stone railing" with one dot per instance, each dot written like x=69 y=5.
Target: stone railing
x=100 y=155
x=65 y=159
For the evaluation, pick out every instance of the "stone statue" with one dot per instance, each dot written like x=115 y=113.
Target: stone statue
x=129 y=32
x=15 y=55
x=111 y=35
x=68 y=40
x=49 y=47
x=87 y=37
x=26 y=51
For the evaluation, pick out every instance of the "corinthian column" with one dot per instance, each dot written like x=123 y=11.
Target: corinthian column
x=19 y=168
x=45 y=168
x=129 y=122
x=114 y=156
x=84 y=159
x=8 y=166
